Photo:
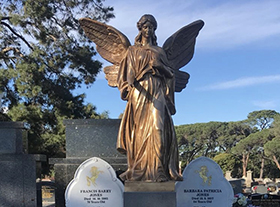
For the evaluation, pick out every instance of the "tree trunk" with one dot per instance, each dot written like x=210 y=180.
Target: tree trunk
x=276 y=162
x=245 y=159
x=262 y=167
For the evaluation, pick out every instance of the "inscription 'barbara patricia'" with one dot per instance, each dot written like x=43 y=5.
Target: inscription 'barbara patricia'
x=202 y=191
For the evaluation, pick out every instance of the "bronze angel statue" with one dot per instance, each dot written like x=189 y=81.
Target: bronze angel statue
x=147 y=76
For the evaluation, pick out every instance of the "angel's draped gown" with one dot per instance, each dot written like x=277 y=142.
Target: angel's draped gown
x=147 y=134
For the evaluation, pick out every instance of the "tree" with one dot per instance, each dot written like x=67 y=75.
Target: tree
x=252 y=144
x=189 y=141
x=233 y=133
x=272 y=148
x=229 y=162
x=243 y=149
x=276 y=125
x=262 y=120
x=199 y=139
x=44 y=57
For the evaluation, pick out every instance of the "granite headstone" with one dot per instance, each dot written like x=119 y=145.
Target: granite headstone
x=17 y=169
x=95 y=184
x=85 y=139
x=204 y=185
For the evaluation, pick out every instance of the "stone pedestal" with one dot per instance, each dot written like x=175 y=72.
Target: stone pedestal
x=18 y=181
x=13 y=138
x=249 y=179
x=85 y=139
x=17 y=169
x=228 y=175
x=143 y=194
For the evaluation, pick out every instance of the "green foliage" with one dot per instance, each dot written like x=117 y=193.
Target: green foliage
x=252 y=143
x=233 y=133
x=276 y=125
x=197 y=140
x=229 y=162
x=208 y=139
x=273 y=147
x=271 y=170
x=260 y=122
x=261 y=119
x=231 y=144
x=44 y=57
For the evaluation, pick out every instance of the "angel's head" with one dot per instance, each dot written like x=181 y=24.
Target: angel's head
x=145 y=20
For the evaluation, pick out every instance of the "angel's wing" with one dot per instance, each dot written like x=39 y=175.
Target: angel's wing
x=111 y=74
x=111 y=44
x=179 y=50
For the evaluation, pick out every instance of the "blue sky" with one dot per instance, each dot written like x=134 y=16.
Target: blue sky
x=236 y=66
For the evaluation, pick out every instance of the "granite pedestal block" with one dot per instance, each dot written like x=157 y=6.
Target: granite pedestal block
x=151 y=199
x=143 y=194
x=13 y=138
x=85 y=139
x=91 y=137
x=17 y=169
x=18 y=180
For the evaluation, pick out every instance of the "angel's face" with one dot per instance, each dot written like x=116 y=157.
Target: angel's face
x=147 y=30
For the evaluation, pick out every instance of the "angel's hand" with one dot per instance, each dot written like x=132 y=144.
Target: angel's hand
x=155 y=63
x=158 y=65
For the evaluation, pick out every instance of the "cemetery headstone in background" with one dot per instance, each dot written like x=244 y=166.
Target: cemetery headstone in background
x=237 y=185
x=17 y=169
x=204 y=185
x=95 y=184
x=265 y=200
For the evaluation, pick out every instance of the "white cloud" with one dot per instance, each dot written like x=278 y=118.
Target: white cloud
x=242 y=82
x=227 y=23
x=232 y=24
x=265 y=104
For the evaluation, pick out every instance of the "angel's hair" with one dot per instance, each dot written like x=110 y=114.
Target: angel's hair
x=146 y=18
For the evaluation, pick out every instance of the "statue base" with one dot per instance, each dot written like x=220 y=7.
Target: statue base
x=143 y=194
